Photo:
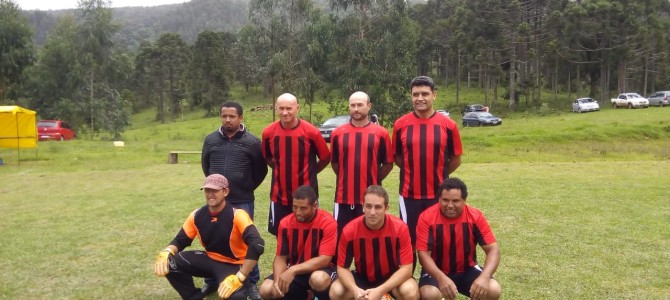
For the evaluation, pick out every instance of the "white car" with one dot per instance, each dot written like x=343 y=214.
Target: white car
x=585 y=104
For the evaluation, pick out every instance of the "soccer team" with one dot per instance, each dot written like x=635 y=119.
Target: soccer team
x=315 y=249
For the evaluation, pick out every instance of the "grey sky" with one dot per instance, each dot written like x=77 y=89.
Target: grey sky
x=63 y=4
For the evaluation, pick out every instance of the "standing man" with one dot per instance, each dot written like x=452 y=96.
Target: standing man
x=381 y=249
x=234 y=152
x=291 y=147
x=231 y=241
x=361 y=156
x=305 y=248
x=447 y=237
x=427 y=149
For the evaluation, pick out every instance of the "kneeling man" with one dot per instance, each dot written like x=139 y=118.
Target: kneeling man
x=381 y=248
x=306 y=243
x=447 y=234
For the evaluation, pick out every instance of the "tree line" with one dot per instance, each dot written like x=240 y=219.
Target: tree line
x=511 y=50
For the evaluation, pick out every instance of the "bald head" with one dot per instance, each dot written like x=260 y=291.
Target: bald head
x=287 y=109
x=358 y=96
x=359 y=107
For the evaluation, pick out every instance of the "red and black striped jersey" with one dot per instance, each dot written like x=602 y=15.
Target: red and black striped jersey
x=300 y=242
x=376 y=254
x=294 y=152
x=359 y=152
x=452 y=242
x=425 y=146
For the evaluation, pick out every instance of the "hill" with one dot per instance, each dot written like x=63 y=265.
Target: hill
x=142 y=23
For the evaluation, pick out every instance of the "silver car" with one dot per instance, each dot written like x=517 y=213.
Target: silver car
x=585 y=104
x=660 y=99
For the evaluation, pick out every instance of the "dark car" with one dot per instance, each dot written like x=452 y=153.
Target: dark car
x=54 y=130
x=327 y=127
x=473 y=107
x=480 y=118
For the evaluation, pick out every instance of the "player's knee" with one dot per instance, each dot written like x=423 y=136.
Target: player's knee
x=494 y=290
x=336 y=290
x=319 y=281
x=266 y=289
x=409 y=290
x=429 y=292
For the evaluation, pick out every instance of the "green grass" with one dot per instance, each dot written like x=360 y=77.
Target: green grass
x=579 y=204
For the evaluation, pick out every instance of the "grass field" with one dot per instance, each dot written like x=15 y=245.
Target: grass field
x=580 y=204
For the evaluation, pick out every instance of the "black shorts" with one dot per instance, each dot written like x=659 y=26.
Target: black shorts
x=276 y=213
x=344 y=213
x=364 y=284
x=410 y=209
x=463 y=281
x=300 y=285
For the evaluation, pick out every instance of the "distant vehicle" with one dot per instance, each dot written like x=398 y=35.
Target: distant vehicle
x=54 y=130
x=585 y=104
x=327 y=127
x=444 y=112
x=661 y=98
x=630 y=100
x=480 y=118
x=473 y=107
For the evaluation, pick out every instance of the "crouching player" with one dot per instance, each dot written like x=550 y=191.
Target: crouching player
x=446 y=236
x=380 y=246
x=306 y=243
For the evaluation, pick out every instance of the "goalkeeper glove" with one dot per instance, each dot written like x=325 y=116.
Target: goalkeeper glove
x=161 y=267
x=231 y=284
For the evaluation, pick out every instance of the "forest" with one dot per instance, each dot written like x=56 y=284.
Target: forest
x=95 y=65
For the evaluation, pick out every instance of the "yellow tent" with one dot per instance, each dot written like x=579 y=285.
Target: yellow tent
x=18 y=128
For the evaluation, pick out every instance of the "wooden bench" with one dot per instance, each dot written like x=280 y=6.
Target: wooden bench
x=173 y=157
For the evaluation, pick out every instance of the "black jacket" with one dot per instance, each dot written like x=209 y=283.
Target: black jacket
x=239 y=159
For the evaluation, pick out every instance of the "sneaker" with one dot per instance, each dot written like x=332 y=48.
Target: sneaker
x=254 y=294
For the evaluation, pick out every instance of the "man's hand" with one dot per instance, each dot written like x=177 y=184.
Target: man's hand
x=447 y=287
x=480 y=287
x=361 y=294
x=374 y=294
x=231 y=284
x=284 y=280
x=161 y=267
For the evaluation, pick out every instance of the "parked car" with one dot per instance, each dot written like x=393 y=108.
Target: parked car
x=327 y=127
x=630 y=100
x=54 y=130
x=661 y=98
x=480 y=118
x=473 y=107
x=444 y=112
x=585 y=104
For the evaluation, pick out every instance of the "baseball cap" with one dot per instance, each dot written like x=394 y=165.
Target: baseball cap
x=215 y=181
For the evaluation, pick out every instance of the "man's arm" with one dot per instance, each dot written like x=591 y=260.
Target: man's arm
x=481 y=284
x=444 y=283
x=335 y=166
x=322 y=163
x=398 y=160
x=204 y=158
x=398 y=277
x=286 y=277
x=278 y=268
x=454 y=163
x=347 y=279
x=259 y=165
x=385 y=170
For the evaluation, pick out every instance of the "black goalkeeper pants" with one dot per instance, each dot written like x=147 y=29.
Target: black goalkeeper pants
x=188 y=264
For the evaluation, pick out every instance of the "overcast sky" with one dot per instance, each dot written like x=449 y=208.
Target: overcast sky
x=63 y=4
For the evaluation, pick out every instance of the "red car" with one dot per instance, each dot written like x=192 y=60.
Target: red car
x=54 y=130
